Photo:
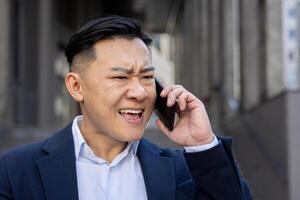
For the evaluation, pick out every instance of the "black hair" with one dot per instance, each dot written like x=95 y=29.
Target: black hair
x=83 y=40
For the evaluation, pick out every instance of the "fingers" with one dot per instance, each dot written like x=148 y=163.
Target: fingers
x=173 y=96
x=167 y=89
x=177 y=93
x=182 y=99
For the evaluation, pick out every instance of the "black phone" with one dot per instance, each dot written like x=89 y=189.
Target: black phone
x=165 y=114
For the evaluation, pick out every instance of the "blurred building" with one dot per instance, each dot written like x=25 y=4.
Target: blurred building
x=240 y=57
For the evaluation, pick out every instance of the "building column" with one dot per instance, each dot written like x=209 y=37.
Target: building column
x=46 y=64
x=274 y=58
x=230 y=57
x=4 y=60
x=251 y=50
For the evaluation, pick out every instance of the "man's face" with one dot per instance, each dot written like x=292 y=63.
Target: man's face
x=118 y=89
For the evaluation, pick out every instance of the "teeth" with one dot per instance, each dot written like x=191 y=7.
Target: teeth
x=130 y=111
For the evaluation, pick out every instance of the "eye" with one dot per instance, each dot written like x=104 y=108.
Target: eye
x=148 y=77
x=120 y=77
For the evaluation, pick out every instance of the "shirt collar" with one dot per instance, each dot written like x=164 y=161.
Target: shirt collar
x=79 y=141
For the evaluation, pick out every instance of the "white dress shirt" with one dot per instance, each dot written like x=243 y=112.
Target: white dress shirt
x=120 y=179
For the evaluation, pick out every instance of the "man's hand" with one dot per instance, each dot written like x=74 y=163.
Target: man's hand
x=192 y=127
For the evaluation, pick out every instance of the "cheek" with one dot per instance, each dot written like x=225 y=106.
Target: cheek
x=152 y=96
x=98 y=97
x=112 y=95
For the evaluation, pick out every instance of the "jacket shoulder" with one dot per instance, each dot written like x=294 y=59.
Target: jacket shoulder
x=33 y=151
x=24 y=152
x=19 y=172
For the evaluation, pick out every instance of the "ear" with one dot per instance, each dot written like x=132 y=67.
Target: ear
x=73 y=84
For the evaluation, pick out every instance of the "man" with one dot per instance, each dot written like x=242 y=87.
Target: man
x=101 y=154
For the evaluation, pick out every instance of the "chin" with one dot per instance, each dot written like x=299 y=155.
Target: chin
x=134 y=137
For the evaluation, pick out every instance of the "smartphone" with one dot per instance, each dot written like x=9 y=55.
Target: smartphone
x=164 y=113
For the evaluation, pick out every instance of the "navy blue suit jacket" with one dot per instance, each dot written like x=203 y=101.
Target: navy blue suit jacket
x=47 y=170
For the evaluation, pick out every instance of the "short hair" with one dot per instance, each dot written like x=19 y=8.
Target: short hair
x=81 y=44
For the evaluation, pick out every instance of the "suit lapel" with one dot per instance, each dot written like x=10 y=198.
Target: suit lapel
x=58 y=168
x=158 y=172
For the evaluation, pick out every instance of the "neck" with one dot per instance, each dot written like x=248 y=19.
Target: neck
x=102 y=146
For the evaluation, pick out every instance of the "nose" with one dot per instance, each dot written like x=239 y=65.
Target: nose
x=137 y=91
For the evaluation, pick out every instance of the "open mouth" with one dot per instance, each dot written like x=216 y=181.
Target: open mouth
x=132 y=115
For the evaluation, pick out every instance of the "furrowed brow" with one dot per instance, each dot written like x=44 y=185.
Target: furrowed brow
x=130 y=71
x=147 y=69
x=122 y=69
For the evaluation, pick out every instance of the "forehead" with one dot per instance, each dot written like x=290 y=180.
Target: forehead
x=122 y=52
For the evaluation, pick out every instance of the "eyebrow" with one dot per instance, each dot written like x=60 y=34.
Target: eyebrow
x=130 y=71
